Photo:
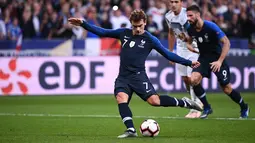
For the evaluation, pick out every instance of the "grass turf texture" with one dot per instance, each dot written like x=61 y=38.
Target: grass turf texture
x=94 y=119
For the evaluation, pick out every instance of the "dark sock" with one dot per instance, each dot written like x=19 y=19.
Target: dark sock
x=167 y=101
x=126 y=115
x=200 y=93
x=235 y=96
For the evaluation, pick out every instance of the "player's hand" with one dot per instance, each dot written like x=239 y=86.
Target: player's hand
x=195 y=64
x=75 y=21
x=182 y=36
x=192 y=49
x=215 y=66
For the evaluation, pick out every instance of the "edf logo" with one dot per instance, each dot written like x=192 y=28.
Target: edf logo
x=50 y=70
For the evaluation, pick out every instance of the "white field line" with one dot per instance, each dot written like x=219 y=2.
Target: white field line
x=112 y=116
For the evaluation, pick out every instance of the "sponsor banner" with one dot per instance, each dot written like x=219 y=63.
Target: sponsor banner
x=96 y=75
x=166 y=79
x=52 y=75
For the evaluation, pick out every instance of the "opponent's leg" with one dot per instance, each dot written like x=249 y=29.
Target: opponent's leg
x=185 y=72
x=192 y=113
x=196 y=79
x=197 y=100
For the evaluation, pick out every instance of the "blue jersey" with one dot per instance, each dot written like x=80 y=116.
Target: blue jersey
x=208 y=40
x=135 y=48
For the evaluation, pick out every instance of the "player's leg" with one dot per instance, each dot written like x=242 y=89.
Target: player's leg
x=145 y=90
x=236 y=97
x=168 y=101
x=123 y=94
x=224 y=79
x=192 y=113
x=184 y=72
x=196 y=78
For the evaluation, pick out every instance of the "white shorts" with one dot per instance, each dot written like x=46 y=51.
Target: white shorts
x=185 y=70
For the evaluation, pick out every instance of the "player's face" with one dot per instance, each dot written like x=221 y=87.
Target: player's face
x=138 y=27
x=192 y=17
x=175 y=5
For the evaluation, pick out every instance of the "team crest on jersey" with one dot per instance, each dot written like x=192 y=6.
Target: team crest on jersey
x=132 y=44
x=194 y=43
x=206 y=37
x=142 y=44
x=200 y=39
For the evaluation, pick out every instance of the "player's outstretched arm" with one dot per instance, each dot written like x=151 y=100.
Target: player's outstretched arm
x=95 y=29
x=172 y=56
x=171 y=41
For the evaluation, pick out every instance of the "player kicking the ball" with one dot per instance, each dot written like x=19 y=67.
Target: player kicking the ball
x=136 y=46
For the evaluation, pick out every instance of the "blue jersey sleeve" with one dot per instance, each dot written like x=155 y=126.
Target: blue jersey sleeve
x=167 y=54
x=219 y=33
x=101 y=31
x=186 y=25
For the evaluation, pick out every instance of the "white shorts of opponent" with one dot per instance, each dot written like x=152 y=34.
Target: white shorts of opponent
x=185 y=70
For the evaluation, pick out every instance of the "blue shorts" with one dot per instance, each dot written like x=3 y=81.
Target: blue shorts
x=136 y=82
x=223 y=75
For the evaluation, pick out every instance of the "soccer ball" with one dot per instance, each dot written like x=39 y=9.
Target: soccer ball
x=149 y=128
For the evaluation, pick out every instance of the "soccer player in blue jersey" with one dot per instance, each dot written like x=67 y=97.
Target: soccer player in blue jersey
x=208 y=37
x=136 y=46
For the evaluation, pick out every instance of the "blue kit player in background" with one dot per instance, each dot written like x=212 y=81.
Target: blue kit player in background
x=208 y=37
x=136 y=46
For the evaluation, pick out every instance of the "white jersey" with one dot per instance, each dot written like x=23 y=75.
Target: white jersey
x=178 y=23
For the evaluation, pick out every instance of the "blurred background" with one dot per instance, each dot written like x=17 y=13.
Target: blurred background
x=47 y=19
x=36 y=31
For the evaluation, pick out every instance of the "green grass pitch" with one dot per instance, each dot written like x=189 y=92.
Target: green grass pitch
x=94 y=119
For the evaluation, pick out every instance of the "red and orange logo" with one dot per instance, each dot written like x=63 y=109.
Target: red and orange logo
x=6 y=76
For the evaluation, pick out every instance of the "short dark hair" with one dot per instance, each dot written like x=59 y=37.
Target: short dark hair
x=138 y=15
x=194 y=8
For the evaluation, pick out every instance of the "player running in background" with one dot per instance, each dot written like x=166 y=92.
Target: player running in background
x=136 y=46
x=209 y=39
x=177 y=22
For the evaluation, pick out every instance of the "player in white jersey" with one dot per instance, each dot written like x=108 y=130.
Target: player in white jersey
x=177 y=22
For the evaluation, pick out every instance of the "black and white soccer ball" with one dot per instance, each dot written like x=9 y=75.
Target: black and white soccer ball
x=149 y=128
